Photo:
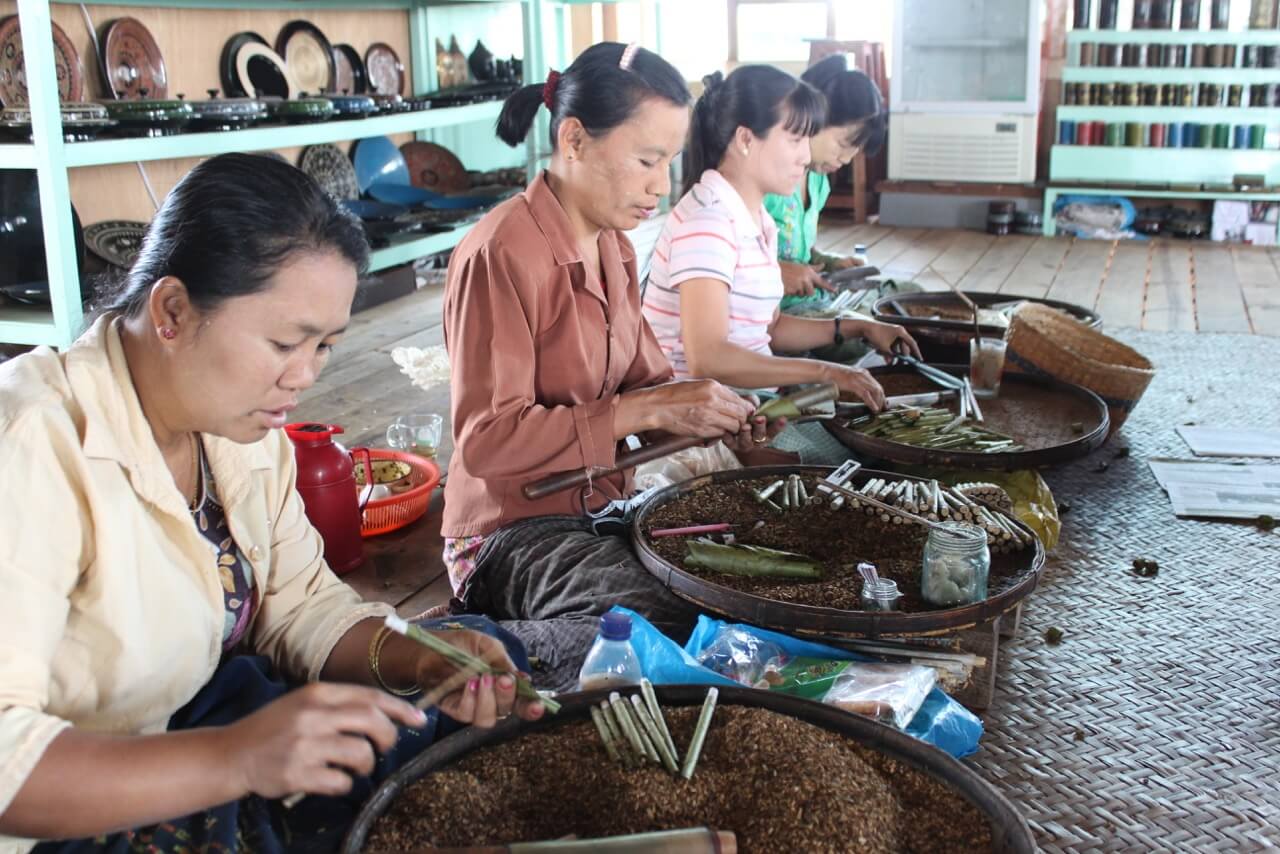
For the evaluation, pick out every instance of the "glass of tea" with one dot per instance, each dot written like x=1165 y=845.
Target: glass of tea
x=416 y=434
x=986 y=364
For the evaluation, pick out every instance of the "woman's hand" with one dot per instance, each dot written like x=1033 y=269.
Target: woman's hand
x=888 y=339
x=800 y=280
x=754 y=435
x=844 y=262
x=315 y=739
x=858 y=382
x=702 y=408
x=471 y=698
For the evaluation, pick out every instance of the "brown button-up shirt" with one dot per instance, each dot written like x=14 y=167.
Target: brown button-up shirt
x=539 y=353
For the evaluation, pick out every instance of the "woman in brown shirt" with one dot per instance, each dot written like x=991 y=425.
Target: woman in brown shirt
x=553 y=364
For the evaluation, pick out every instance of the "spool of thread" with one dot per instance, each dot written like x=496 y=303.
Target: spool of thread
x=1084 y=133
x=1066 y=133
x=1169 y=95
x=1109 y=55
x=1270 y=56
x=1228 y=56
x=1199 y=55
x=1252 y=57
x=1240 y=137
x=1210 y=95
x=1134 y=55
x=1186 y=95
x=1087 y=53
x=1069 y=94
x=1084 y=93
x=1259 y=95
x=1155 y=55
x=1204 y=137
x=1179 y=56
x=1222 y=135
x=1190 y=18
x=1217 y=55
x=1262 y=15
x=1235 y=94
x=1080 y=20
x=1115 y=134
x=1108 y=14
x=1257 y=136
x=1106 y=95
x=1098 y=132
x=1155 y=136
x=1135 y=133
x=1151 y=94
x=1220 y=14
x=1126 y=94
x=1173 y=136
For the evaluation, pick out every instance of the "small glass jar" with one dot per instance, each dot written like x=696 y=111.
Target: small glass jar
x=880 y=595
x=956 y=565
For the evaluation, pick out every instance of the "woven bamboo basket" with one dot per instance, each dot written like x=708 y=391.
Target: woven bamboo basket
x=1043 y=341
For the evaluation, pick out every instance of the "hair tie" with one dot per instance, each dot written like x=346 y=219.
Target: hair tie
x=549 y=89
x=628 y=56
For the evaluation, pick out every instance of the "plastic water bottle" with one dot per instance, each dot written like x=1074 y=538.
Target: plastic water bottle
x=860 y=254
x=611 y=663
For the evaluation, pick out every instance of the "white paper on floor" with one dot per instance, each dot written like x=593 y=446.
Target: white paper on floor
x=1221 y=490
x=1228 y=442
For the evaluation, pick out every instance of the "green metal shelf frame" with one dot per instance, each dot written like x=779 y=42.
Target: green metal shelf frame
x=1053 y=191
x=51 y=157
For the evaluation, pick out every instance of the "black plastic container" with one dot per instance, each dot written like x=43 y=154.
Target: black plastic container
x=1220 y=15
x=1083 y=10
x=1108 y=14
x=1190 y=17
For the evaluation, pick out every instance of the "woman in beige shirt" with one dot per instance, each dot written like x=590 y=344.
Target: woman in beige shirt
x=150 y=532
x=553 y=365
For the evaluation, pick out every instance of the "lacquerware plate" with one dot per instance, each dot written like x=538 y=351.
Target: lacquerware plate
x=117 y=242
x=332 y=170
x=434 y=167
x=349 y=74
x=13 y=75
x=308 y=56
x=384 y=69
x=132 y=65
x=262 y=72
x=377 y=160
x=227 y=73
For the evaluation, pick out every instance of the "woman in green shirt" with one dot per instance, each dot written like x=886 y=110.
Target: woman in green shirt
x=855 y=122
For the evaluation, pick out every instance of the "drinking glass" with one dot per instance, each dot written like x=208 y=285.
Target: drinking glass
x=416 y=434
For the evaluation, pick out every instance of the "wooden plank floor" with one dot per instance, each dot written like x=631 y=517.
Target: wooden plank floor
x=1154 y=285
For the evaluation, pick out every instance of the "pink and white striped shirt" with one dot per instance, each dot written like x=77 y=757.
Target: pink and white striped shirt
x=711 y=235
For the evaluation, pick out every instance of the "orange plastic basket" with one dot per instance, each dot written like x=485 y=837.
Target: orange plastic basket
x=383 y=515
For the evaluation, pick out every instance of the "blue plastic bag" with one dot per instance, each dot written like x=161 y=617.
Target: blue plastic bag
x=941 y=721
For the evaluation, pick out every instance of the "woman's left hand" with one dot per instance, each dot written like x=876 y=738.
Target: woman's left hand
x=468 y=697
x=888 y=339
x=756 y=434
x=844 y=262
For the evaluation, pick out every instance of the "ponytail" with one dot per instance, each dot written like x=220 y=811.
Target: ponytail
x=518 y=113
x=757 y=97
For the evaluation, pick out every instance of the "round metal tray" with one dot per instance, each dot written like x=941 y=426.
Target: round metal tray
x=1037 y=412
x=1010 y=833
x=816 y=620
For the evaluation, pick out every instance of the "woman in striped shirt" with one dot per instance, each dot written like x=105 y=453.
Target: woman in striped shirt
x=715 y=285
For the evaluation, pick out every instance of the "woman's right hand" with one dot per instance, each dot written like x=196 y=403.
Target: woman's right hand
x=702 y=408
x=315 y=738
x=857 y=381
x=800 y=280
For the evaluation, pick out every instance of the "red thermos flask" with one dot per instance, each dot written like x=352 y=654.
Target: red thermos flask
x=327 y=483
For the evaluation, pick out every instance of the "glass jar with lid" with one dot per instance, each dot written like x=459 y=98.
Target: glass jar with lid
x=956 y=565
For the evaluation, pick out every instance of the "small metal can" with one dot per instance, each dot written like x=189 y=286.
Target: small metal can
x=1257 y=136
x=1199 y=55
x=1240 y=136
x=1173 y=136
x=1066 y=132
x=1252 y=57
x=1235 y=94
x=1135 y=134
x=1087 y=52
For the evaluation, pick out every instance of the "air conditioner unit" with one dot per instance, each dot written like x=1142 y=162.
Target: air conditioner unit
x=997 y=149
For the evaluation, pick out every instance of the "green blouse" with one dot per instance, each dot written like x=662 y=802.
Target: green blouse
x=798 y=226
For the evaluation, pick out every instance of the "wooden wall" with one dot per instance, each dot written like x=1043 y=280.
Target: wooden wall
x=191 y=42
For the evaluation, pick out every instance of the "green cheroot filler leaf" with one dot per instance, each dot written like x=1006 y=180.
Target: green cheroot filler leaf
x=798 y=403
x=752 y=561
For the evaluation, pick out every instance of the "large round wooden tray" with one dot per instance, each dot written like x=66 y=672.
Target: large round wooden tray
x=1010 y=833
x=1037 y=412
x=794 y=618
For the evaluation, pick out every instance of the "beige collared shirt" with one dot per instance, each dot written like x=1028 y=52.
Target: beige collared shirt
x=111 y=610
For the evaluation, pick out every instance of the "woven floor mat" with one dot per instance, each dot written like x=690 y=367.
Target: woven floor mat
x=1155 y=723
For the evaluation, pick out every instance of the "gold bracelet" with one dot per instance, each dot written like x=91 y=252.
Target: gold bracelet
x=379 y=640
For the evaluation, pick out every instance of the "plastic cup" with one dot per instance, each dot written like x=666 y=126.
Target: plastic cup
x=416 y=434
x=986 y=365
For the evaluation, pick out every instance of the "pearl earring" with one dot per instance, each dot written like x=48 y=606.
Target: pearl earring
x=745 y=152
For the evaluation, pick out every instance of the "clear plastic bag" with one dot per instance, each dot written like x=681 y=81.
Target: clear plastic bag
x=890 y=693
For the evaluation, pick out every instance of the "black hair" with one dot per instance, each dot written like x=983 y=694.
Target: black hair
x=597 y=91
x=852 y=98
x=229 y=225
x=756 y=97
